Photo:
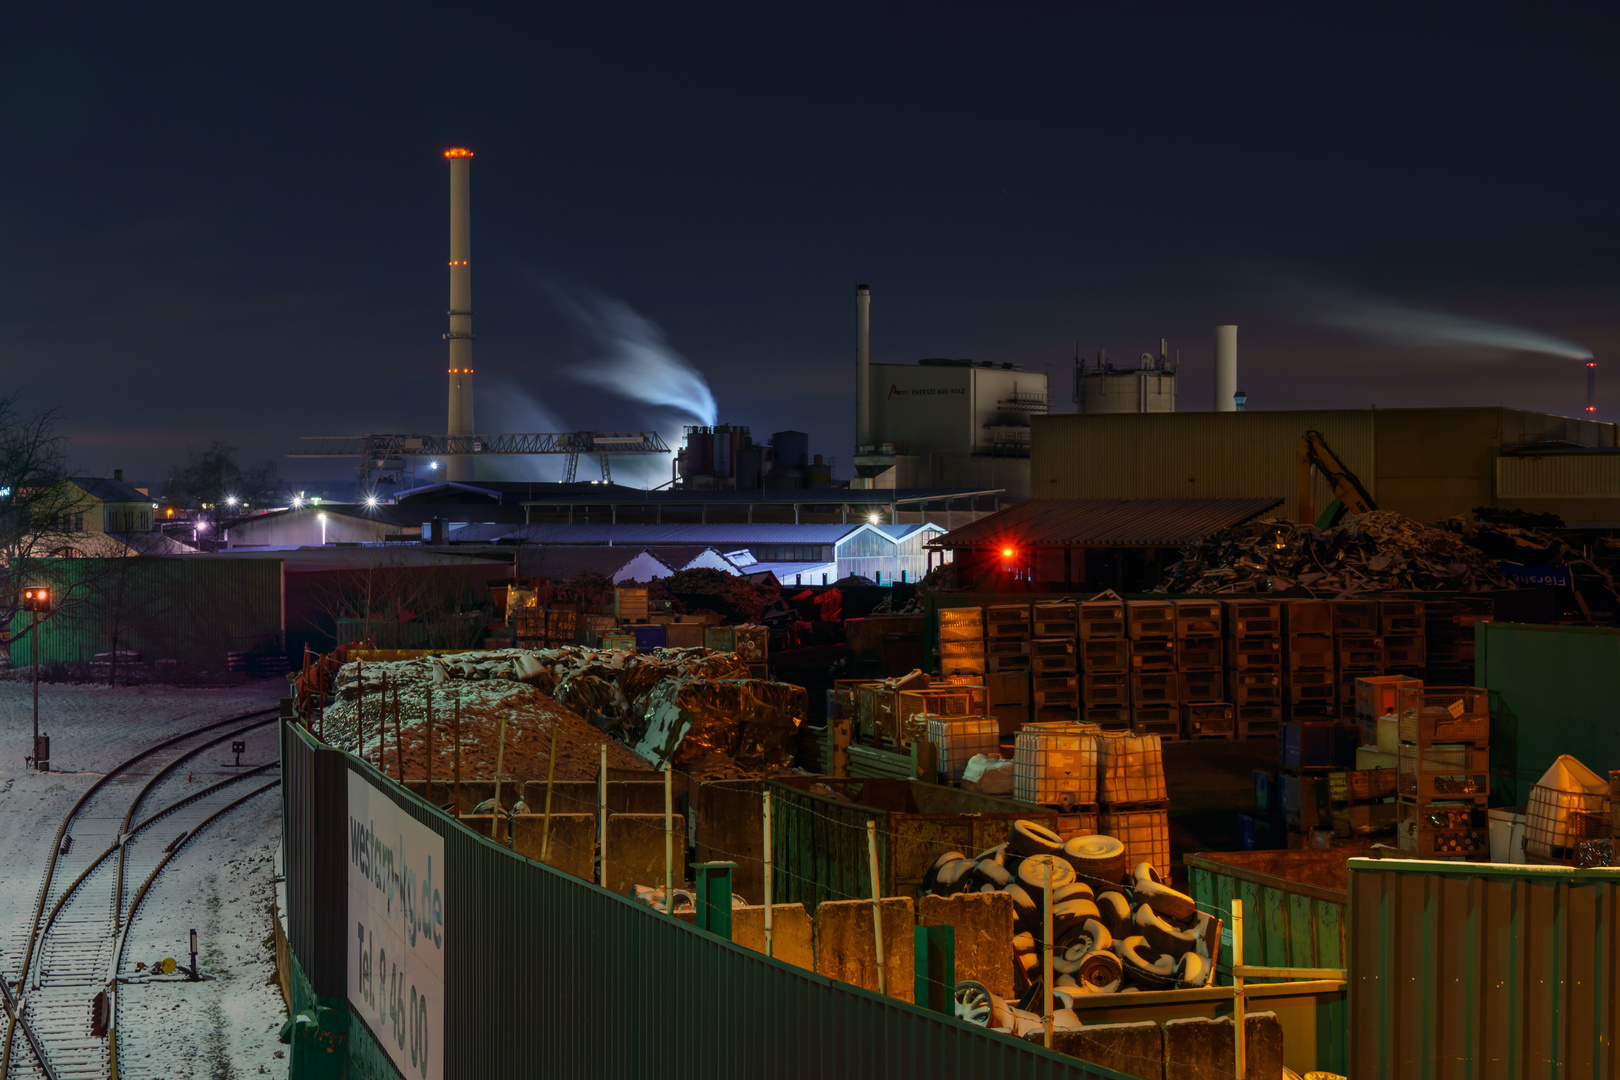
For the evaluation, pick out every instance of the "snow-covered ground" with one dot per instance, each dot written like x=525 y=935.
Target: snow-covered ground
x=221 y=883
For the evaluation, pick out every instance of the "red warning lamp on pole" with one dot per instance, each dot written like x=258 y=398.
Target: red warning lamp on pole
x=35 y=599
x=1591 y=386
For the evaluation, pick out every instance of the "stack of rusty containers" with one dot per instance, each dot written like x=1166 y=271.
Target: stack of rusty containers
x=1401 y=625
x=1359 y=649
x=1309 y=753
x=1105 y=664
x=1205 y=712
x=1310 y=674
x=1053 y=663
x=961 y=642
x=1254 y=666
x=1449 y=637
x=1006 y=659
x=1155 y=679
x=1135 y=802
x=1443 y=778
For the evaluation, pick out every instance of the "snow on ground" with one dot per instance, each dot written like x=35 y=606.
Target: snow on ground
x=221 y=885
x=92 y=729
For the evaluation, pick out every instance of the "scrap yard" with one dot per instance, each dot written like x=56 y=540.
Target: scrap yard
x=951 y=542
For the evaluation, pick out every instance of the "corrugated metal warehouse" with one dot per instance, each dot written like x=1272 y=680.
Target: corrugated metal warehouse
x=1430 y=464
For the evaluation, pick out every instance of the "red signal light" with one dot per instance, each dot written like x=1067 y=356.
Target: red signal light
x=1006 y=553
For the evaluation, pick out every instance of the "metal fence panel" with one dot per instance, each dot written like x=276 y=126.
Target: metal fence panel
x=189 y=609
x=547 y=975
x=1481 y=971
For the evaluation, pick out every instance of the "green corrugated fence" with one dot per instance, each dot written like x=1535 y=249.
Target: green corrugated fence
x=547 y=975
x=191 y=609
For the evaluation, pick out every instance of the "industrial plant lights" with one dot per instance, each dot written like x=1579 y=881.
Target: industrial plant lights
x=37 y=598
x=1006 y=553
x=371 y=500
x=875 y=518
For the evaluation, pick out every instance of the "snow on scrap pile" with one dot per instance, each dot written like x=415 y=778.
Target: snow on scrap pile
x=693 y=707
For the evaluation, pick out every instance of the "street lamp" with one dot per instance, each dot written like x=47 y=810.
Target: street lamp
x=37 y=598
x=322 y=516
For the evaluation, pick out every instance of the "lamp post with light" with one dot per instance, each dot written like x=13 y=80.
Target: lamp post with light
x=37 y=598
x=322 y=517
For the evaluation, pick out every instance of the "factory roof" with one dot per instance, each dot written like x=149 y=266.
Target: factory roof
x=1105 y=523
x=547 y=495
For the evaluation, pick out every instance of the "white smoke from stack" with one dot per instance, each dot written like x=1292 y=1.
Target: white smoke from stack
x=1396 y=324
x=633 y=359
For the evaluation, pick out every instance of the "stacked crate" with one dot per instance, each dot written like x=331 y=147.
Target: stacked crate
x=1134 y=797
x=1006 y=653
x=1155 y=677
x=1449 y=636
x=957 y=739
x=1054 y=673
x=1254 y=666
x=1205 y=713
x=1444 y=775
x=1401 y=625
x=1105 y=664
x=1309 y=675
x=1360 y=650
x=1308 y=753
x=961 y=641
x=1362 y=802
x=1007 y=699
x=1375 y=696
x=1056 y=765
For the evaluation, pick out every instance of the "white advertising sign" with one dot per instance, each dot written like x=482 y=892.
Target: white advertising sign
x=396 y=930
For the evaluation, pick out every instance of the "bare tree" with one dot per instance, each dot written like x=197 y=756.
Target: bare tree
x=398 y=601
x=214 y=486
x=35 y=499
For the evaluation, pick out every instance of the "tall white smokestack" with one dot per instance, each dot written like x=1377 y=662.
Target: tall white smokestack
x=863 y=359
x=460 y=466
x=1225 y=368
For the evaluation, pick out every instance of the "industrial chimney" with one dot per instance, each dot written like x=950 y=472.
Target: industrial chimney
x=863 y=358
x=1225 y=368
x=460 y=466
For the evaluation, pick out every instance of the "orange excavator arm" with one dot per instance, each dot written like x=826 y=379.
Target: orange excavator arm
x=1315 y=454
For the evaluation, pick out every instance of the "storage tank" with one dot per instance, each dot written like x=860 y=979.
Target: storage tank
x=1148 y=388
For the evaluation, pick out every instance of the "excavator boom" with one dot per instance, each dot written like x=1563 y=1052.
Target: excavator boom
x=1314 y=454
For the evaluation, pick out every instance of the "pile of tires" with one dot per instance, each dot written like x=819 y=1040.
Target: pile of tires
x=1114 y=929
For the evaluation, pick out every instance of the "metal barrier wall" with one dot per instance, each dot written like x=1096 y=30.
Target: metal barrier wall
x=547 y=975
x=1481 y=971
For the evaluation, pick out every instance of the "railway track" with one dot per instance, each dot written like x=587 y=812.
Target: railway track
x=107 y=852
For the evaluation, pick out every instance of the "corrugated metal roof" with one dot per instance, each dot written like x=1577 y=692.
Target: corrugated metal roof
x=735 y=535
x=1106 y=522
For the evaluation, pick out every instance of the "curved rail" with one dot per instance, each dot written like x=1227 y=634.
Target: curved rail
x=12 y=1006
x=134 y=907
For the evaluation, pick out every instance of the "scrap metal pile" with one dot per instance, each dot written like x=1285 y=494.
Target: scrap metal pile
x=706 y=715
x=1113 y=929
x=1380 y=551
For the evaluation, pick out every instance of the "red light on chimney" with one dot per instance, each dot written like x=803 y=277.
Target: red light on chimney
x=1006 y=553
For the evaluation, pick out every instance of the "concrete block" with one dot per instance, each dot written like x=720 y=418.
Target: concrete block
x=582 y=796
x=984 y=932
x=729 y=819
x=1133 y=1049
x=573 y=842
x=635 y=851
x=1199 y=1048
x=567 y=796
x=846 y=951
x=792 y=934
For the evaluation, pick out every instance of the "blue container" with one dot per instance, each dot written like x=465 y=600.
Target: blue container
x=649 y=636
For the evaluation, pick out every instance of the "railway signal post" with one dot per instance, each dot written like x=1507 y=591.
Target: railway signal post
x=37 y=598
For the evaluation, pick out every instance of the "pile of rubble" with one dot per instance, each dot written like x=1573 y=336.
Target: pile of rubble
x=694 y=708
x=734 y=599
x=1380 y=551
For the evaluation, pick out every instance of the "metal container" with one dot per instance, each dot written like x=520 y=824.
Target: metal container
x=1294 y=902
x=649 y=636
x=819 y=842
x=1468 y=969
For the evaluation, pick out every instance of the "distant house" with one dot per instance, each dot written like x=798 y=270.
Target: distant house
x=93 y=517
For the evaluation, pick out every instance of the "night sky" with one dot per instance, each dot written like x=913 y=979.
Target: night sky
x=230 y=222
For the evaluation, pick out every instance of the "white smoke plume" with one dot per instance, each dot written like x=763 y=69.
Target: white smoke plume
x=633 y=359
x=1396 y=324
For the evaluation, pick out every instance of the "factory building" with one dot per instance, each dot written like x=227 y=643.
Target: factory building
x=1429 y=464
x=1149 y=387
x=942 y=422
x=726 y=458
